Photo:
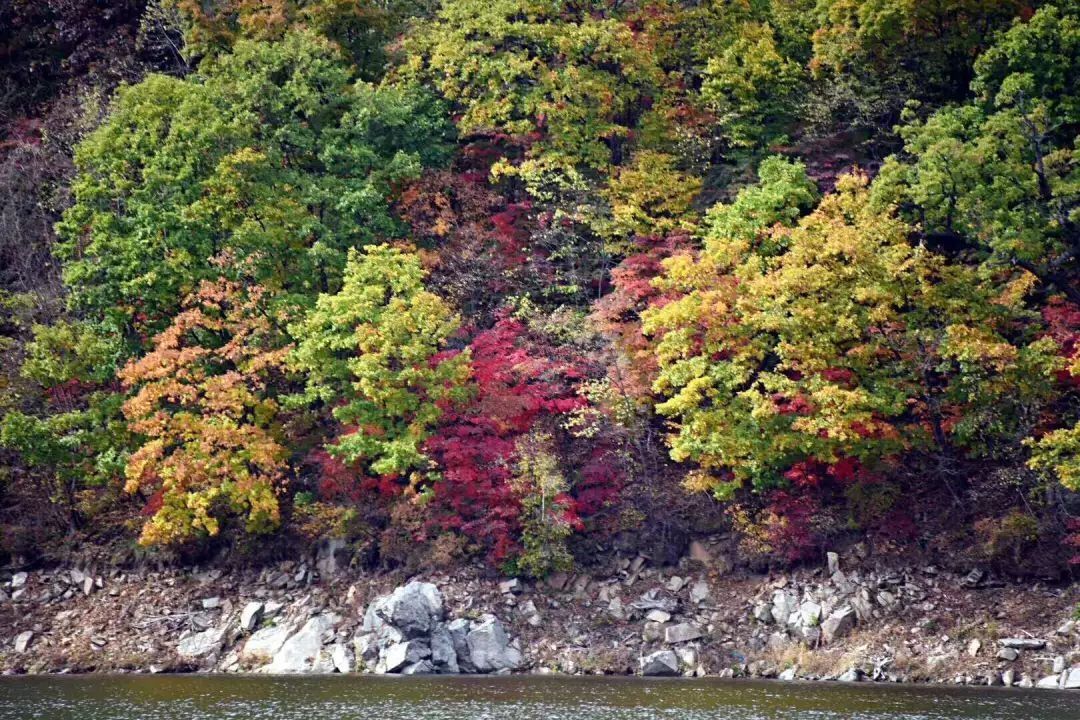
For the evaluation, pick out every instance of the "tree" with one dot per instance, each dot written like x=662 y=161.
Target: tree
x=571 y=73
x=374 y=351
x=838 y=338
x=271 y=153
x=206 y=402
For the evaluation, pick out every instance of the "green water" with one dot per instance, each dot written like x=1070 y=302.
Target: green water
x=193 y=697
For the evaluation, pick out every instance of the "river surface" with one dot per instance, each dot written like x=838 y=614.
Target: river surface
x=195 y=697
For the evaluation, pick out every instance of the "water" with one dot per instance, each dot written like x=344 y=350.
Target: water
x=193 y=697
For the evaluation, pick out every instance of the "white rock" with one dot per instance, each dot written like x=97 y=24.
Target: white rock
x=18 y=580
x=342 y=658
x=490 y=649
x=207 y=642
x=1050 y=682
x=973 y=647
x=1023 y=643
x=1070 y=679
x=683 y=632
x=658 y=616
x=264 y=644
x=832 y=561
x=211 y=603
x=699 y=592
x=251 y=615
x=22 y=641
x=660 y=663
x=788 y=675
x=1008 y=654
x=303 y=652
x=810 y=613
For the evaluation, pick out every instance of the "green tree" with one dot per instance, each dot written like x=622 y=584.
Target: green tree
x=371 y=352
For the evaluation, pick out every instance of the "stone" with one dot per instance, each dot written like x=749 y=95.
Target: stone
x=852 y=675
x=658 y=616
x=1022 y=643
x=1050 y=682
x=459 y=635
x=699 y=592
x=1070 y=679
x=557 y=581
x=652 y=632
x=489 y=647
x=22 y=641
x=506 y=587
x=788 y=675
x=251 y=615
x=397 y=657
x=201 y=644
x=810 y=613
x=211 y=603
x=331 y=556
x=76 y=576
x=974 y=578
x=1059 y=664
x=1025 y=682
x=265 y=643
x=1008 y=678
x=784 y=606
x=763 y=613
x=88 y=585
x=683 y=632
x=302 y=652
x=687 y=656
x=656 y=599
x=973 y=647
x=1008 y=654
x=18 y=580
x=832 y=563
x=342 y=658
x=443 y=654
x=660 y=663
x=423 y=667
x=366 y=650
x=838 y=624
x=413 y=609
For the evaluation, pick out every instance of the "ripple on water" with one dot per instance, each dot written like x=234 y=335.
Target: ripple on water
x=514 y=698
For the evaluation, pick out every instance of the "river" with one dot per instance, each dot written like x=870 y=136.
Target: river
x=195 y=697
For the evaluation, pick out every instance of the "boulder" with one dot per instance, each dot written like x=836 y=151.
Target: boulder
x=1022 y=643
x=784 y=605
x=852 y=675
x=699 y=592
x=838 y=624
x=331 y=556
x=660 y=663
x=1008 y=654
x=1070 y=679
x=489 y=647
x=18 y=580
x=658 y=616
x=397 y=657
x=22 y=641
x=201 y=644
x=1050 y=682
x=459 y=636
x=683 y=632
x=763 y=612
x=342 y=658
x=423 y=667
x=832 y=562
x=251 y=615
x=656 y=599
x=443 y=653
x=810 y=614
x=264 y=644
x=414 y=610
x=303 y=652
x=366 y=650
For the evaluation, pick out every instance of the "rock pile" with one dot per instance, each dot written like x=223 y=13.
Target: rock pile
x=406 y=632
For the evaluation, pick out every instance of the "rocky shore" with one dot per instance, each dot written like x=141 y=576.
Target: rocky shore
x=847 y=620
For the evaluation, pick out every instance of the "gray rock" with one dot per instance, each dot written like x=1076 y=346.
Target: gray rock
x=489 y=647
x=784 y=606
x=423 y=667
x=699 y=592
x=763 y=612
x=251 y=615
x=303 y=652
x=810 y=614
x=443 y=653
x=414 y=609
x=656 y=599
x=1025 y=682
x=1008 y=678
x=18 y=580
x=211 y=603
x=459 y=635
x=658 y=616
x=683 y=632
x=788 y=675
x=201 y=644
x=513 y=585
x=973 y=647
x=852 y=675
x=1059 y=664
x=1070 y=679
x=22 y=641
x=1008 y=654
x=88 y=585
x=660 y=663
x=832 y=562
x=396 y=657
x=342 y=658
x=1023 y=643
x=265 y=643
x=1050 y=682
x=331 y=556
x=838 y=624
